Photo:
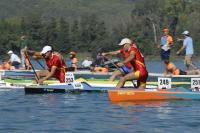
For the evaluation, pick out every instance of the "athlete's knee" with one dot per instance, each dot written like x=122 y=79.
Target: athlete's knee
x=123 y=79
x=112 y=78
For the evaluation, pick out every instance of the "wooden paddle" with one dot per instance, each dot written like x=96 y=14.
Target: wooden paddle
x=26 y=55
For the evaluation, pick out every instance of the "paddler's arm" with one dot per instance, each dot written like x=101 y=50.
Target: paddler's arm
x=50 y=74
x=180 y=50
x=35 y=54
x=127 y=60
x=111 y=53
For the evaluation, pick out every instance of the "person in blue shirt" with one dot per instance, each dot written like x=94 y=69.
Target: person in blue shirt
x=189 y=50
x=166 y=42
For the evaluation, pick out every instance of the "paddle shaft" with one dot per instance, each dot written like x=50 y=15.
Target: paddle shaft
x=118 y=68
x=37 y=78
x=112 y=63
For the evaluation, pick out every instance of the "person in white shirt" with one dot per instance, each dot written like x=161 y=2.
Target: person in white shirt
x=14 y=59
x=86 y=63
x=189 y=51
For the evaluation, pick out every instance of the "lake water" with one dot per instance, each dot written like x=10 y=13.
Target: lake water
x=94 y=113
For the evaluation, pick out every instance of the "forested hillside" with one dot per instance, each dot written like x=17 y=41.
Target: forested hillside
x=88 y=25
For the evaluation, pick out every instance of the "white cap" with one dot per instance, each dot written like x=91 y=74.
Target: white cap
x=185 y=32
x=10 y=52
x=46 y=49
x=124 y=41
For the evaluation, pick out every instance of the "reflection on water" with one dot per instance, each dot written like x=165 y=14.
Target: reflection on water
x=142 y=103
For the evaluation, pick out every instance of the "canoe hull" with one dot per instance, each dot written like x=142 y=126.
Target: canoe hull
x=136 y=95
x=31 y=90
x=63 y=88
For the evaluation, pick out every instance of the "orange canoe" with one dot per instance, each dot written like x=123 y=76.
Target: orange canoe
x=152 y=94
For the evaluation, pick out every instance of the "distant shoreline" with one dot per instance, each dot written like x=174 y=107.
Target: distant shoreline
x=81 y=56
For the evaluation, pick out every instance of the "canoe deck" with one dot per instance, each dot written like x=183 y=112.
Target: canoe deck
x=154 y=94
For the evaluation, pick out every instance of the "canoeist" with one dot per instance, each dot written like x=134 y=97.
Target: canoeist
x=73 y=60
x=133 y=67
x=189 y=51
x=14 y=60
x=56 y=66
x=165 y=45
x=126 y=68
x=171 y=68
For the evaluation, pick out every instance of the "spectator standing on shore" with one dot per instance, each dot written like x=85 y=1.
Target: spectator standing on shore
x=165 y=45
x=189 y=50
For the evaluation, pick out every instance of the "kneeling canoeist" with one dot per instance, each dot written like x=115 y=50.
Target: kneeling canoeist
x=126 y=68
x=55 y=63
x=171 y=68
x=133 y=67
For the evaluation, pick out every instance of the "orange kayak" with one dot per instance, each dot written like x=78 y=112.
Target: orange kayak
x=152 y=94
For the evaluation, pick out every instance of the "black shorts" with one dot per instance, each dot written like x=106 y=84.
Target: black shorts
x=164 y=54
x=182 y=72
x=16 y=64
x=125 y=69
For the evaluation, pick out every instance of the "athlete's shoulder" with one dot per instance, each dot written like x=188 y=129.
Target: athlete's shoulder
x=57 y=55
x=134 y=49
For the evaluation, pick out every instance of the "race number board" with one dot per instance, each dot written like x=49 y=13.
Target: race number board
x=164 y=83
x=69 y=78
x=195 y=83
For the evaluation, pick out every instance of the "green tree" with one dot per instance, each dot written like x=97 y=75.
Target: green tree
x=63 y=36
